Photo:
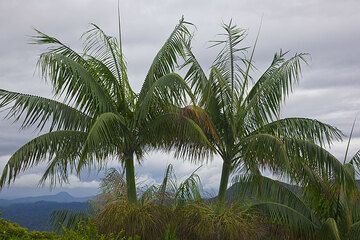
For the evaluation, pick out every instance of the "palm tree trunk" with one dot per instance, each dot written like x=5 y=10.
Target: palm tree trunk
x=130 y=178
x=226 y=170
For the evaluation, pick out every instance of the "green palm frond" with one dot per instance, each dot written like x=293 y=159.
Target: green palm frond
x=107 y=80
x=168 y=184
x=189 y=190
x=303 y=128
x=317 y=159
x=270 y=90
x=166 y=59
x=354 y=231
x=55 y=46
x=228 y=58
x=38 y=111
x=177 y=132
x=73 y=80
x=168 y=90
x=298 y=224
x=41 y=149
x=195 y=76
x=107 y=130
x=66 y=219
x=103 y=47
x=356 y=160
x=264 y=150
x=266 y=189
x=329 y=230
x=106 y=49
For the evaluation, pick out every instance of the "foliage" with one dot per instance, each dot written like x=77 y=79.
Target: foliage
x=324 y=210
x=241 y=115
x=12 y=231
x=101 y=117
x=228 y=113
x=170 y=210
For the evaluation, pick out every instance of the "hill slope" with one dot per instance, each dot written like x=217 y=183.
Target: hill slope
x=61 y=197
x=36 y=216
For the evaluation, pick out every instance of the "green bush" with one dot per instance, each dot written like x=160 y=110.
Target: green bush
x=12 y=231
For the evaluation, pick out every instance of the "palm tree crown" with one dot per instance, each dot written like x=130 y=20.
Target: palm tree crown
x=240 y=115
x=101 y=116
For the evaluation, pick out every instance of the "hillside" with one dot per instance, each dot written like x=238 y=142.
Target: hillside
x=61 y=197
x=36 y=216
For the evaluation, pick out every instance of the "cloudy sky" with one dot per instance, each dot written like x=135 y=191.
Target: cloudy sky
x=329 y=90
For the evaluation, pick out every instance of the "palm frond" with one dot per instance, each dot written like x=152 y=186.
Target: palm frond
x=189 y=190
x=298 y=224
x=169 y=90
x=264 y=150
x=41 y=149
x=55 y=46
x=265 y=189
x=166 y=59
x=66 y=219
x=195 y=75
x=303 y=128
x=38 y=111
x=228 y=58
x=106 y=48
x=177 y=132
x=329 y=230
x=354 y=231
x=266 y=96
x=105 y=136
x=75 y=81
x=317 y=159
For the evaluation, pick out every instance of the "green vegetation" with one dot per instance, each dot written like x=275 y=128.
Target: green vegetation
x=12 y=231
x=240 y=115
x=101 y=118
x=227 y=113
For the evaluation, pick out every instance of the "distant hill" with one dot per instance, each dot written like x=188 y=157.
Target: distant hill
x=36 y=216
x=34 y=212
x=61 y=197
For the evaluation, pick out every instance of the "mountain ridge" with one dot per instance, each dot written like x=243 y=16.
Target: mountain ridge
x=61 y=197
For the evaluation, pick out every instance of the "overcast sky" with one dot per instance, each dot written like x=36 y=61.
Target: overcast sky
x=329 y=90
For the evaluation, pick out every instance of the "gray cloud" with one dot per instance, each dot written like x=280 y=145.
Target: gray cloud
x=328 y=30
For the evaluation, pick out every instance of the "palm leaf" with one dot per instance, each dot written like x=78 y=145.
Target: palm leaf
x=103 y=139
x=298 y=224
x=274 y=85
x=166 y=59
x=75 y=81
x=41 y=149
x=39 y=111
x=303 y=128
x=266 y=189
x=168 y=90
x=354 y=231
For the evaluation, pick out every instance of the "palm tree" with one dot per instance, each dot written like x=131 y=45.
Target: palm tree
x=324 y=208
x=240 y=115
x=100 y=117
x=321 y=211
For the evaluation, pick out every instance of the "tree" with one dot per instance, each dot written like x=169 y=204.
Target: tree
x=240 y=115
x=324 y=208
x=101 y=116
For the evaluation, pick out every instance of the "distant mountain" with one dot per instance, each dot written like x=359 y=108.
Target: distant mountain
x=61 y=197
x=36 y=215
